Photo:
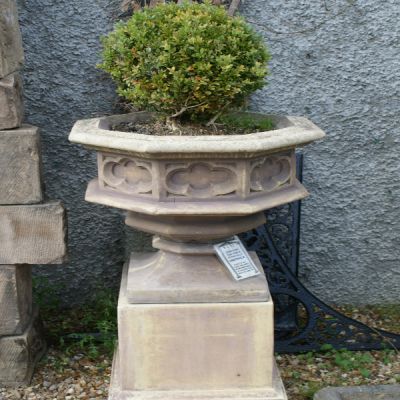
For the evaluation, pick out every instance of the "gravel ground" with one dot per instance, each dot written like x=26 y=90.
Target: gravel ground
x=64 y=377
x=303 y=376
x=69 y=373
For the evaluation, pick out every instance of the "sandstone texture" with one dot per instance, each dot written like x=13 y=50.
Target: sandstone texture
x=233 y=346
x=32 y=234
x=239 y=174
x=15 y=299
x=11 y=103
x=20 y=166
x=11 y=51
x=19 y=354
x=288 y=133
x=166 y=277
x=381 y=392
x=195 y=351
x=116 y=391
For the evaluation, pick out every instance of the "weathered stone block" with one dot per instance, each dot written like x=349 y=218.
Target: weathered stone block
x=166 y=277
x=117 y=392
x=32 y=234
x=193 y=351
x=203 y=346
x=381 y=392
x=11 y=104
x=15 y=298
x=233 y=346
x=11 y=51
x=20 y=165
x=19 y=354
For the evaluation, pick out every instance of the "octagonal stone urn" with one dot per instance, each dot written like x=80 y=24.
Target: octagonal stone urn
x=194 y=175
x=190 y=192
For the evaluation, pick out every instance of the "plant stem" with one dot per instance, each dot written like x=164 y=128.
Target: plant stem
x=216 y=116
x=185 y=108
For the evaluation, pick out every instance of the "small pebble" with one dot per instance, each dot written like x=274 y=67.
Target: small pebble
x=77 y=377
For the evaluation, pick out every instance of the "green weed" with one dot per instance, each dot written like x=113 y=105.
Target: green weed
x=90 y=329
x=247 y=123
x=308 y=389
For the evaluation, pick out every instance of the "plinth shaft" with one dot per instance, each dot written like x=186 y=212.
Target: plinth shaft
x=181 y=351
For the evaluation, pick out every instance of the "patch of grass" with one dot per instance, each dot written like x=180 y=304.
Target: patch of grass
x=385 y=316
x=306 y=373
x=349 y=360
x=90 y=330
x=247 y=123
x=308 y=389
x=45 y=294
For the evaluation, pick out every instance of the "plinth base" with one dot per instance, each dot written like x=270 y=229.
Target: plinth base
x=195 y=351
x=20 y=353
x=116 y=392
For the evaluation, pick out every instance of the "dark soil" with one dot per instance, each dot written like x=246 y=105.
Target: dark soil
x=162 y=128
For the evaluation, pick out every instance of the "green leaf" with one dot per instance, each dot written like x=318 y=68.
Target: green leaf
x=166 y=57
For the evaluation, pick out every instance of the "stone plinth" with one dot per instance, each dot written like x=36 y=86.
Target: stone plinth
x=32 y=234
x=187 y=330
x=196 y=350
x=11 y=105
x=11 y=51
x=19 y=353
x=15 y=299
x=20 y=166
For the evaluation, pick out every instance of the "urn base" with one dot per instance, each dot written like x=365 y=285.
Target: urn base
x=166 y=277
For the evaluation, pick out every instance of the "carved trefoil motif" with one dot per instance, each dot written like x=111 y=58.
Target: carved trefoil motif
x=271 y=172
x=168 y=180
x=125 y=174
x=200 y=179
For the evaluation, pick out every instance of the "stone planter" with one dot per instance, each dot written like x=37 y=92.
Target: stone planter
x=191 y=191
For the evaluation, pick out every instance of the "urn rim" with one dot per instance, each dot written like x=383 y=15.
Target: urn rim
x=291 y=131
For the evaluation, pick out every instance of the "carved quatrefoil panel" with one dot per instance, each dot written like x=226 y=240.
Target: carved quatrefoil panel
x=127 y=175
x=269 y=173
x=201 y=180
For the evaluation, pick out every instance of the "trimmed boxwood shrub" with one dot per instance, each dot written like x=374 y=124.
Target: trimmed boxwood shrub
x=188 y=60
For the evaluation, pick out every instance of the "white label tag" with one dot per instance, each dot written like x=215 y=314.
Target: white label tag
x=235 y=257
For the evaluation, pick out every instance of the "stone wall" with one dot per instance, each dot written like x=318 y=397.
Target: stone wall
x=343 y=73
x=336 y=62
x=62 y=84
x=32 y=231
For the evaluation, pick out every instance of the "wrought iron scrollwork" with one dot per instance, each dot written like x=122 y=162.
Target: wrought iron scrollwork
x=303 y=321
